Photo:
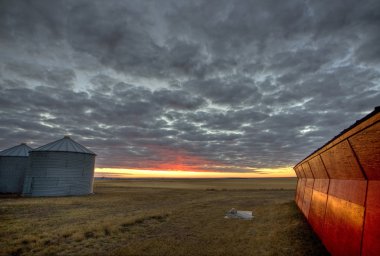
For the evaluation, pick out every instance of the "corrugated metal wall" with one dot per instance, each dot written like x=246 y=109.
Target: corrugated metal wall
x=338 y=190
x=12 y=171
x=59 y=174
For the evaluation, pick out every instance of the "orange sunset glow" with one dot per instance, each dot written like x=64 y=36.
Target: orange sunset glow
x=179 y=163
x=171 y=173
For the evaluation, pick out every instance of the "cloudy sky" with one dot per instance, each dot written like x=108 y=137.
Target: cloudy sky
x=235 y=87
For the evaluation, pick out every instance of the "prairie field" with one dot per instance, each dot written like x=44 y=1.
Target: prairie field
x=160 y=217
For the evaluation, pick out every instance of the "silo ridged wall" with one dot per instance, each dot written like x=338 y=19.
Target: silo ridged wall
x=59 y=174
x=12 y=171
x=338 y=190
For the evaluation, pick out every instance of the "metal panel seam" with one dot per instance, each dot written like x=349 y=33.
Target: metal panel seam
x=311 y=170
x=357 y=160
x=295 y=196
x=364 y=217
x=311 y=200
x=324 y=166
x=303 y=194
x=327 y=200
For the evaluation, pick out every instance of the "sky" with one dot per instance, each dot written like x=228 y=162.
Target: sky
x=177 y=88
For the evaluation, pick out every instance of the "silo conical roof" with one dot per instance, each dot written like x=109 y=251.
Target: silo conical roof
x=19 y=150
x=66 y=144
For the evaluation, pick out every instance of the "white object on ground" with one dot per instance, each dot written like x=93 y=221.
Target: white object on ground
x=235 y=214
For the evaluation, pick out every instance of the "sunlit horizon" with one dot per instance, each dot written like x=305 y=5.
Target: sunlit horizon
x=281 y=172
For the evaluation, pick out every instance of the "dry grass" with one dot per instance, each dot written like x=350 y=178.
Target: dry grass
x=160 y=217
x=207 y=184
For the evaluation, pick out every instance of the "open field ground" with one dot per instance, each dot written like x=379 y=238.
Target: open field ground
x=160 y=217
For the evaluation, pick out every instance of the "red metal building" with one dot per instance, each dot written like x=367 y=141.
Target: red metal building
x=338 y=189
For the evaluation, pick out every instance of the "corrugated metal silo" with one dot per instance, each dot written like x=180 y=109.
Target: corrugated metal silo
x=13 y=165
x=60 y=168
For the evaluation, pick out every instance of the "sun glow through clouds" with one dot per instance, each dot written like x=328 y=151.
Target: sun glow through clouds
x=142 y=173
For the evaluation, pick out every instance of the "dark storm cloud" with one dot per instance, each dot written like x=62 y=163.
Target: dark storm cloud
x=49 y=76
x=239 y=85
x=230 y=90
x=177 y=99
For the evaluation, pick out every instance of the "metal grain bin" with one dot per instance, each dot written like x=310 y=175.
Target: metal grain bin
x=13 y=165
x=60 y=168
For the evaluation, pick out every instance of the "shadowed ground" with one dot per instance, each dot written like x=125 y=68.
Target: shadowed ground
x=160 y=217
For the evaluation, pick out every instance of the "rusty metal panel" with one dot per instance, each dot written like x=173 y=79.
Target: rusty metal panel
x=298 y=184
x=366 y=145
x=301 y=172
x=339 y=192
x=317 y=167
x=298 y=191
x=309 y=183
x=301 y=193
x=299 y=188
x=343 y=228
x=307 y=201
x=371 y=235
x=317 y=212
x=307 y=170
x=297 y=172
x=350 y=190
x=341 y=163
x=321 y=185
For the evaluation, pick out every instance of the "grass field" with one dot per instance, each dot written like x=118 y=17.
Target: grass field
x=160 y=217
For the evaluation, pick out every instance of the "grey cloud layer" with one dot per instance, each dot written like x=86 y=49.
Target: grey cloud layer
x=143 y=83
